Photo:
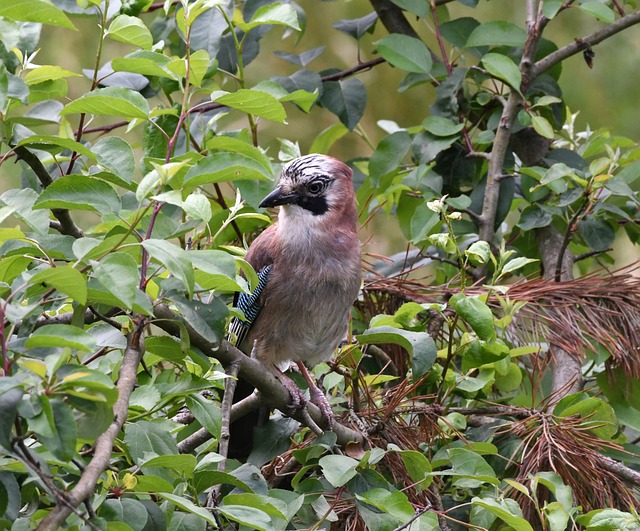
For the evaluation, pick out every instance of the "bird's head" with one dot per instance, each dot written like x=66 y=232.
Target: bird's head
x=314 y=185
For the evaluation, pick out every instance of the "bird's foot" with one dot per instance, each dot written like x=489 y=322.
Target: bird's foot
x=319 y=399
x=298 y=400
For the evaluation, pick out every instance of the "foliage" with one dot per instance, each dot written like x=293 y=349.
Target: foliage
x=123 y=246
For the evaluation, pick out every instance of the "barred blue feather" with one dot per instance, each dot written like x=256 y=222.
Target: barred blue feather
x=249 y=303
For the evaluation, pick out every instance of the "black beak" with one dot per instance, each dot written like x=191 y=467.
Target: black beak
x=277 y=198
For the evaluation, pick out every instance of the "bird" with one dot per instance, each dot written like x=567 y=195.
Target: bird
x=309 y=274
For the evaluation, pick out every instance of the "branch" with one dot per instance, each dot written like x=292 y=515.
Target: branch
x=393 y=18
x=353 y=70
x=581 y=44
x=104 y=443
x=272 y=391
x=622 y=471
x=66 y=225
x=535 y=25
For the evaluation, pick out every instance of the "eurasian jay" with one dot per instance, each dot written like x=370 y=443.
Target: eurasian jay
x=309 y=271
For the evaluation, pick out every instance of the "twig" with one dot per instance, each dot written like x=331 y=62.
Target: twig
x=353 y=70
x=577 y=46
x=417 y=515
x=104 y=443
x=589 y=254
x=239 y=410
x=67 y=226
x=225 y=433
x=571 y=227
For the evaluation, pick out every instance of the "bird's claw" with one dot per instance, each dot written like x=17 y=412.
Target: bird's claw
x=298 y=401
x=319 y=399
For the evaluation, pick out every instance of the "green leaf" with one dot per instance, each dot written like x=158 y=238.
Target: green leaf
x=94 y=385
x=176 y=260
x=110 y=101
x=599 y=10
x=239 y=146
x=10 y=397
x=347 y=99
x=183 y=464
x=146 y=63
x=63 y=442
x=254 y=102
x=404 y=52
x=222 y=167
x=115 y=155
x=338 y=469
x=476 y=313
x=597 y=233
x=197 y=206
x=189 y=506
x=270 y=505
x=357 y=27
x=441 y=126
x=419 y=345
x=418 y=467
x=118 y=274
x=388 y=155
x=323 y=142
x=517 y=263
x=130 y=30
x=55 y=144
x=478 y=253
x=471 y=468
x=47 y=73
x=503 y=68
x=508 y=511
x=542 y=126
x=80 y=192
x=66 y=280
x=393 y=502
x=206 y=412
x=279 y=14
x=123 y=510
x=247 y=516
x=534 y=217
x=35 y=11
x=609 y=520
x=417 y=7
x=496 y=33
x=143 y=438
x=61 y=335
x=215 y=270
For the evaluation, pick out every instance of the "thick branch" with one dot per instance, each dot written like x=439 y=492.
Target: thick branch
x=393 y=18
x=274 y=393
x=104 y=443
x=580 y=44
x=566 y=369
x=66 y=226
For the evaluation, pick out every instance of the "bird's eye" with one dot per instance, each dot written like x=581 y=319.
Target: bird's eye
x=315 y=187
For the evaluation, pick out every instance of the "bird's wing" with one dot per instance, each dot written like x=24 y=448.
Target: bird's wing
x=249 y=303
x=260 y=257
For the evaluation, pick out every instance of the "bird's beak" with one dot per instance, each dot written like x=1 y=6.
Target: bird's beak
x=278 y=197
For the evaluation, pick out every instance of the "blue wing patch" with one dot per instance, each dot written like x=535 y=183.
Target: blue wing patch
x=250 y=306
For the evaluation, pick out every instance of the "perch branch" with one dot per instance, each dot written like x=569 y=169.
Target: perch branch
x=274 y=393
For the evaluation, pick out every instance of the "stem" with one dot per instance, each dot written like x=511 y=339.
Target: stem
x=443 y=51
x=94 y=83
x=145 y=256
